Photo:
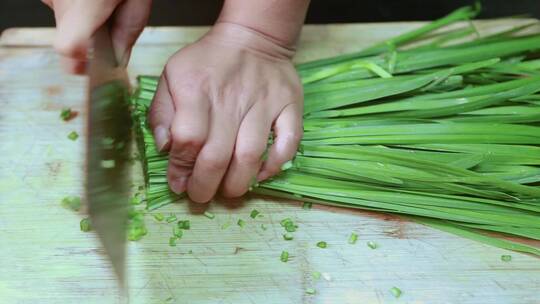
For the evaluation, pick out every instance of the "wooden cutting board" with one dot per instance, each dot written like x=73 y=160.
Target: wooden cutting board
x=44 y=258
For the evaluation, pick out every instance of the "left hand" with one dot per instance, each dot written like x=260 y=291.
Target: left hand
x=216 y=103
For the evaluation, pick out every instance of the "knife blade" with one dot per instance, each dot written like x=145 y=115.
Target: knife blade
x=107 y=149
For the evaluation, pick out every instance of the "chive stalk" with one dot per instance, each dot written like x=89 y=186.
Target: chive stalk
x=450 y=140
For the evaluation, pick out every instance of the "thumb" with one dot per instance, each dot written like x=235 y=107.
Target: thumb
x=128 y=23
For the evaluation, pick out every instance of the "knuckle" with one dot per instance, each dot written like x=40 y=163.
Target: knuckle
x=214 y=163
x=247 y=155
x=186 y=140
x=182 y=162
x=233 y=192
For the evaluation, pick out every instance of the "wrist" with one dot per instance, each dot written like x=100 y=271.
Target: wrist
x=250 y=39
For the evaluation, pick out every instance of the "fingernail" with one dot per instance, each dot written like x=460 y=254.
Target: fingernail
x=161 y=135
x=262 y=176
x=178 y=185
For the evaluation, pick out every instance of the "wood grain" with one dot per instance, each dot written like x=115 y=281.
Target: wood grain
x=44 y=258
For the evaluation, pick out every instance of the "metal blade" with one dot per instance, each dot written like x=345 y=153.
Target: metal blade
x=108 y=129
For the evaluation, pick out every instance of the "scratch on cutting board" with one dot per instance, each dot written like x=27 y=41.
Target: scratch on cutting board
x=53 y=90
x=54 y=168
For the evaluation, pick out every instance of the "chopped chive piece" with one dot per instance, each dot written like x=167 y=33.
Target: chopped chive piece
x=322 y=244
x=66 y=114
x=177 y=232
x=307 y=205
x=285 y=222
x=137 y=199
x=172 y=241
x=506 y=258
x=209 y=215
x=287 y=165
x=291 y=228
x=108 y=163
x=396 y=292
x=254 y=213
x=284 y=256
x=171 y=218
x=287 y=236
x=226 y=225
x=107 y=142
x=185 y=224
x=85 y=225
x=72 y=203
x=120 y=145
x=310 y=291
x=289 y=225
x=241 y=223
x=136 y=231
x=73 y=135
x=372 y=245
x=263 y=227
x=353 y=238
x=316 y=275
x=190 y=251
x=159 y=217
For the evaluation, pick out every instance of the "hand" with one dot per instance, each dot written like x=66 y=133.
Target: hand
x=77 y=20
x=216 y=103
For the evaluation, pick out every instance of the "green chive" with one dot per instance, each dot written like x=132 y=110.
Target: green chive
x=107 y=142
x=171 y=218
x=72 y=203
x=172 y=241
x=263 y=227
x=372 y=245
x=73 y=135
x=184 y=224
x=66 y=114
x=306 y=206
x=322 y=244
x=316 y=275
x=506 y=258
x=284 y=256
x=396 y=292
x=177 y=232
x=209 y=215
x=287 y=236
x=86 y=225
x=310 y=291
x=287 y=165
x=108 y=163
x=254 y=213
x=226 y=225
x=159 y=217
x=241 y=223
x=289 y=225
x=353 y=238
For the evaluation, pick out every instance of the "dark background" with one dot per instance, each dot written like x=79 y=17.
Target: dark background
x=16 y=13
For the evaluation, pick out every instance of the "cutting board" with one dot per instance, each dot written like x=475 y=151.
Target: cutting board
x=45 y=258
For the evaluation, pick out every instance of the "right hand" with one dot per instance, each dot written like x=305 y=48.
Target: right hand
x=77 y=20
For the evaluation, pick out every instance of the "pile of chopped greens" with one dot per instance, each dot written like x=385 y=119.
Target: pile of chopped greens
x=427 y=125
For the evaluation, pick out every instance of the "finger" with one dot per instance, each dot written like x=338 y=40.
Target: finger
x=161 y=115
x=250 y=145
x=76 y=23
x=288 y=133
x=188 y=133
x=213 y=160
x=73 y=66
x=129 y=21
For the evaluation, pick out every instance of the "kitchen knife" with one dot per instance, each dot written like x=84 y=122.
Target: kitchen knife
x=107 y=150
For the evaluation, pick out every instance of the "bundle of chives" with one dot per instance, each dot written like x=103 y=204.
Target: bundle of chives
x=446 y=135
